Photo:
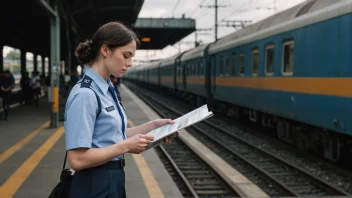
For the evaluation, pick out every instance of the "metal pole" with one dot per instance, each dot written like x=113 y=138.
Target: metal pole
x=1 y=58
x=48 y=9
x=216 y=20
x=195 y=42
x=55 y=66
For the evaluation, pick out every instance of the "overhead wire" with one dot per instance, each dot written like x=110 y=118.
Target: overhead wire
x=197 y=7
x=175 y=7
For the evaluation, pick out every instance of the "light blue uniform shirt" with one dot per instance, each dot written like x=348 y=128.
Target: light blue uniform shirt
x=82 y=128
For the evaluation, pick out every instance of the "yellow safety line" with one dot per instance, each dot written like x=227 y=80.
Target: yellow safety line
x=149 y=181
x=10 y=151
x=14 y=182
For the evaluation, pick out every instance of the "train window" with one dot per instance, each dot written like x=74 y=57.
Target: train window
x=213 y=65
x=189 y=72
x=233 y=64
x=198 y=69
x=242 y=63
x=269 y=60
x=288 y=56
x=201 y=69
x=193 y=69
x=190 y=69
x=227 y=67
x=221 y=66
x=255 y=62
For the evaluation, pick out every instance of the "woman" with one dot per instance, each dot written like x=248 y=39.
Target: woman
x=95 y=121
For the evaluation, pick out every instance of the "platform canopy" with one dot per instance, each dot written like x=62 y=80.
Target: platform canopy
x=88 y=15
x=26 y=24
x=157 y=33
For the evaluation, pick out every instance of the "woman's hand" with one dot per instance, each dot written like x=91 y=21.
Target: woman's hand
x=169 y=138
x=161 y=122
x=137 y=143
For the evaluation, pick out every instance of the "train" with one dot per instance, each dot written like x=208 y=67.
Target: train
x=290 y=72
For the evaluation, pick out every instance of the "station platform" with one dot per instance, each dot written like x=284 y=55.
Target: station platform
x=31 y=156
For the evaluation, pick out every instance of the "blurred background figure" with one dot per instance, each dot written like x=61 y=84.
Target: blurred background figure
x=26 y=90
x=119 y=80
x=36 y=86
x=7 y=82
x=74 y=79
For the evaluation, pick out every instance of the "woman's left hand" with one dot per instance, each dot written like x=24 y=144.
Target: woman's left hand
x=169 y=138
x=161 y=122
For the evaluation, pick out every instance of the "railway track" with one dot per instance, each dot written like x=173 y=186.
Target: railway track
x=193 y=177
x=274 y=175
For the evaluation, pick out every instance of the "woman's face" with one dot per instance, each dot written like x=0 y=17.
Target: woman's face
x=119 y=59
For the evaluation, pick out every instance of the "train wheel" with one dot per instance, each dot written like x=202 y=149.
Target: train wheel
x=332 y=149
x=283 y=131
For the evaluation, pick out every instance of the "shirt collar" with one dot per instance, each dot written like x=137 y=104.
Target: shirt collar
x=102 y=84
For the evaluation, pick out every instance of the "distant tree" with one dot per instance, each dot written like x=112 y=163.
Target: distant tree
x=13 y=55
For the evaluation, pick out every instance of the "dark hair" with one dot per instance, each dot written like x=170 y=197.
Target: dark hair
x=113 y=34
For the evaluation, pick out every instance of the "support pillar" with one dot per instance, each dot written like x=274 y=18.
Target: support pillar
x=43 y=65
x=23 y=61
x=35 y=62
x=1 y=58
x=69 y=58
x=55 y=66
x=49 y=68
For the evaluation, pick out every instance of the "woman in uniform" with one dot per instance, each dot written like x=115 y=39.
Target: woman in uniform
x=95 y=121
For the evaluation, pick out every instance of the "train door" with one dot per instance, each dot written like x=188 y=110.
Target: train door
x=176 y=73
x=178 y=76
x=147 y=72
x=158 y=73
x=184 y=76
x=213 y=74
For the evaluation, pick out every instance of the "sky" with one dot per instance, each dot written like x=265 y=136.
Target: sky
x=253 y=10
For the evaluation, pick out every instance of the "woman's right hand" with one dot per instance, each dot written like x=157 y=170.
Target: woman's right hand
x=137 y=143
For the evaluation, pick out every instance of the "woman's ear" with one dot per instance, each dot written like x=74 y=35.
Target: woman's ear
x=104 y=50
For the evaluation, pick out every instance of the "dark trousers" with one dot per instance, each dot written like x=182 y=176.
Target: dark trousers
x=105 y=181
x=26 y=95
x=6 y=101
x=36 y=93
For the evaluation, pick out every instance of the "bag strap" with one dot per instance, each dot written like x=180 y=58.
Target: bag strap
x=86 y=83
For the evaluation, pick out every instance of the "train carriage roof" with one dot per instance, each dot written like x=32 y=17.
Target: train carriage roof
x=151 y=65
x=277 y=20
x=193 y=53
x=169 y=60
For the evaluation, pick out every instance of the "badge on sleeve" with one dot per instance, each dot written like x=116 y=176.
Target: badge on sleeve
x=111 y=108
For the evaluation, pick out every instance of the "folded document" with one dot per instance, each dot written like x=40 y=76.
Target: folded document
x=184 y=121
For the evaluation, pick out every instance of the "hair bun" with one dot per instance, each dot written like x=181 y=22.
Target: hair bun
x=84 y=52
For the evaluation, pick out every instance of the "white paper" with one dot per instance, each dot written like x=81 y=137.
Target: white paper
x=184 y=121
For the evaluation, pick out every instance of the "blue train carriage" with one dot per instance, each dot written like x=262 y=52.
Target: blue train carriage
x=153 y=73
x=292 y=72
x=167 y=71
x=193 y=65
x=131 y=73
x=141 y=73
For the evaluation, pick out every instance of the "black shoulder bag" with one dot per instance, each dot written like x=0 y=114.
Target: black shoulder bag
x=62 y=189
